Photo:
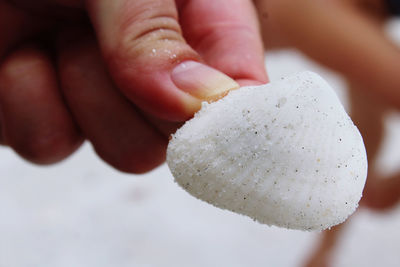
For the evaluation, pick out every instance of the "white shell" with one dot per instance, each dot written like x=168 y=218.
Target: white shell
x=284 y=154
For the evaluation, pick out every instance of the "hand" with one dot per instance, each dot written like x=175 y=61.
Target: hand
x=344 y=35
x=126 y=89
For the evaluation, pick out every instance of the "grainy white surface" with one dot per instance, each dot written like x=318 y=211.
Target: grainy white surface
x=284 y=154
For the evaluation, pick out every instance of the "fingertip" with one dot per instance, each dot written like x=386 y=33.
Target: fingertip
x=227 y=36
x=155 y=92
x=141 y=42
x=134 y=161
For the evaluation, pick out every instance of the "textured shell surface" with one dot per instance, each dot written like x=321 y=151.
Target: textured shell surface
x=284 y=154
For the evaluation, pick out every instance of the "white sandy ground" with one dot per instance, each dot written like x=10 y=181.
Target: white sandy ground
x=83 y=213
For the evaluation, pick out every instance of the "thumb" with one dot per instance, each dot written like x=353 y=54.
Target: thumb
x=149 y=59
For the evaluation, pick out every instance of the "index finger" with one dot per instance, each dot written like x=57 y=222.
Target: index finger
x=227 y=36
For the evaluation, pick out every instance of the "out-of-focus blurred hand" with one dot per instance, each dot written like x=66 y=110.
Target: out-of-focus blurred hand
x=345 y=35
x=119 y=73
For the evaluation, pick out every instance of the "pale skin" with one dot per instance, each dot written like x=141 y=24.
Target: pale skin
x=110 y=72
x=346 y=36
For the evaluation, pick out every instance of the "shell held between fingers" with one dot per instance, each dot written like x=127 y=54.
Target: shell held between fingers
x=284 y=154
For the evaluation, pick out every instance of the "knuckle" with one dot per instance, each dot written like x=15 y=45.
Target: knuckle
x=18 y=64
x=153 y=28
x=152 y=36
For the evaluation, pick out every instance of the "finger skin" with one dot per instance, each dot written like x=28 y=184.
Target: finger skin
x=1 y=134
x=368 y=113
x=166 y=128
x=35 y=121
x=343 y=38
x=141 y=42
x=119 y=134
x=47 y=3
x=227 y=36
x=17 y=25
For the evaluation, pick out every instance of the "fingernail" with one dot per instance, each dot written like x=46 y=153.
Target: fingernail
x=202 y=81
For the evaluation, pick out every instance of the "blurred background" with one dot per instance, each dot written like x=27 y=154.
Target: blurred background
x=83 y=213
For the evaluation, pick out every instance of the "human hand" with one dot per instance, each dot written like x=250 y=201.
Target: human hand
x=344 y=35
x=54 y=95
